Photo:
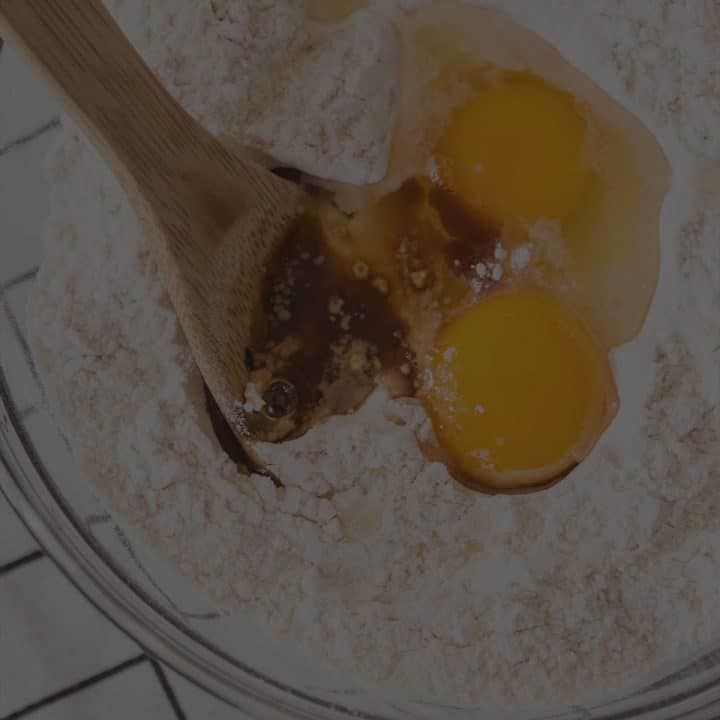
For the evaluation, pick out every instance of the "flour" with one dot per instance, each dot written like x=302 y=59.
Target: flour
x=242 y=69
x=371 y=559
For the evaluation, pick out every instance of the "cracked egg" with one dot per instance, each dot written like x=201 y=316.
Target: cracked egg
x=513 y=244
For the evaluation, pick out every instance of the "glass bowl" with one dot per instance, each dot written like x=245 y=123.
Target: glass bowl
x=227 y=655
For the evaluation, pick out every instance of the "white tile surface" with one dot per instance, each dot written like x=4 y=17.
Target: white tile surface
x=24 y=388
x=23 y=221
x=196 y=703
x=17 y=299
x=50 y=636
x=135 y=693
x=15 y=540
x=28 y=106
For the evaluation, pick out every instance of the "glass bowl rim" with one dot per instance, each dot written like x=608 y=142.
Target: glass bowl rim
x=687 y=692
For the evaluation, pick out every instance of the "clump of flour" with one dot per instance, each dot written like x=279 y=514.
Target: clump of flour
x=372 y=559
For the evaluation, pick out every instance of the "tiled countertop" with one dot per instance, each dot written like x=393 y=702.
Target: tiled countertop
x=60 y=658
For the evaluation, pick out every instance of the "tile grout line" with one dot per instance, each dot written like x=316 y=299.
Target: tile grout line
x=21 y=562
x=76 y=688
x=33 y=135
x=24 y=346
x=20 y=280
x=169 y=691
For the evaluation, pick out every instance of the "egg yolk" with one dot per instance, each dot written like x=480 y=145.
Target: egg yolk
x=520 y=391
x=517 y=151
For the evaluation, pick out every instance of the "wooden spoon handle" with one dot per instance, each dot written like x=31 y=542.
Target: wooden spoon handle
x=169 y=164
x=78 y=46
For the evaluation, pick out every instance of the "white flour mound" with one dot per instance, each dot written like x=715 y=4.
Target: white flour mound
x=372 y=559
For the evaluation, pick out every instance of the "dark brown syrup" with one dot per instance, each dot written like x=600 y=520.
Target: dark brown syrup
x=325 y=334
x=474 y=237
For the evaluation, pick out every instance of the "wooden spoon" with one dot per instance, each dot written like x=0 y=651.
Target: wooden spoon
x=213 y=217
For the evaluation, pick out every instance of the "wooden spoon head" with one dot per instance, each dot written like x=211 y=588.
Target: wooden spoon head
x=213 y=262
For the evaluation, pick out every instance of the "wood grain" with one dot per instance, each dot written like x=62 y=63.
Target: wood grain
x=212 y=216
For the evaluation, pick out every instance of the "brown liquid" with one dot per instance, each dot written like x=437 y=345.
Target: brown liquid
x=325 y=334
x=428 y=241
x=474 y=237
